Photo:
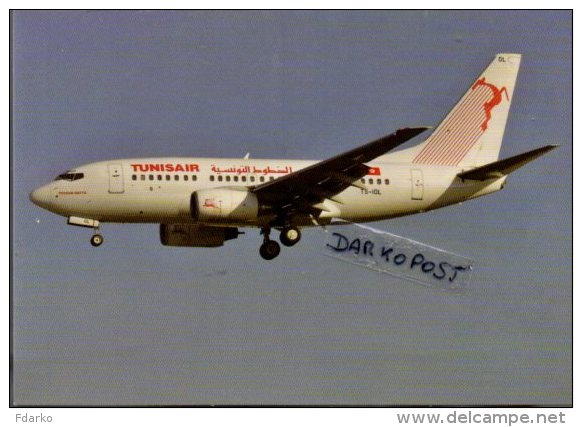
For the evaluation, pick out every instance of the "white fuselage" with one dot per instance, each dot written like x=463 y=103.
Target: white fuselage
x=158 y=190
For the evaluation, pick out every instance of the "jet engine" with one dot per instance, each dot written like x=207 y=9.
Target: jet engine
x=224 y=205
x=195 y=235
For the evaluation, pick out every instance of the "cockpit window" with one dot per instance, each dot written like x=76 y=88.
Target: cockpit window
x=70 y=176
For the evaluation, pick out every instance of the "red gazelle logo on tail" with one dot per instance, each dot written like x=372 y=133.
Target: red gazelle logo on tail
x=494 y=101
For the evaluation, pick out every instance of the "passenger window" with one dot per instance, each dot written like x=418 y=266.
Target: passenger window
x=167 y=177
x=227 y=178
x=262 y=179
x=220 y=178
x=370 y=181
x=185 y=177
x=194 y=177
x=142 y=177
x=378 y=181
x=243 y=178
x=159 y=177
x=252 y=179
x=363 y=180
x=176 y=177
x=212 y=178
x=134 y=177
x=387 y=181
x=151 y=177
x=271 y=178
x=235 y=178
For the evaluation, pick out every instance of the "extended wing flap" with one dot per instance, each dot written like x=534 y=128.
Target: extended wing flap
x=505 y=166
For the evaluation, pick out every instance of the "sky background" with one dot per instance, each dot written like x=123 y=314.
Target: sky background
x=136 y=323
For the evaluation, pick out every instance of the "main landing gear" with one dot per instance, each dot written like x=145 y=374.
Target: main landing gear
x=290 y=236
x=270 y=248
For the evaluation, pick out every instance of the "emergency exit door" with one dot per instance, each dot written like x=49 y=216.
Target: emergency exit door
x=417 y=184
x=115 y=178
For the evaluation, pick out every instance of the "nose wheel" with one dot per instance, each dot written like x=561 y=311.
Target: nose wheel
x=96 y=239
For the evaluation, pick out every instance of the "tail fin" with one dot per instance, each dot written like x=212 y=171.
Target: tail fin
x=471 y=134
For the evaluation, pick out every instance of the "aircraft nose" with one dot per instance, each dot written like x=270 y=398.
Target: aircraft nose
x=34 y=196
x=40 y=196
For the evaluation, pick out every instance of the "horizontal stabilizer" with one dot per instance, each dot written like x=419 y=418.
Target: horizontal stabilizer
x=506 y=166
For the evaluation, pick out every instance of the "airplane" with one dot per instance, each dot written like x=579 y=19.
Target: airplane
x=202 y=202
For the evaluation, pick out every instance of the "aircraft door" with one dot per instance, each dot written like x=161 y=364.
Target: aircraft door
x=115 y=178
x=417 y=184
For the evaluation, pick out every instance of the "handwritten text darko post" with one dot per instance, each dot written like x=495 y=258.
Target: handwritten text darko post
x=387 y=255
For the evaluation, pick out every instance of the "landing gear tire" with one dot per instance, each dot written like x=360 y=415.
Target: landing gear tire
x=96 y=240
x=290 y=236
x=269 y=250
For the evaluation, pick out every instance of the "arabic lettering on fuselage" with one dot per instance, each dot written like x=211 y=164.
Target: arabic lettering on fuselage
x=251 y=169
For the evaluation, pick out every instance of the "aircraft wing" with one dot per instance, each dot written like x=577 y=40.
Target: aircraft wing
x=299 y=191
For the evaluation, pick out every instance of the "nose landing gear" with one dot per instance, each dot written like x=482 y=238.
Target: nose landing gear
x=96 y=238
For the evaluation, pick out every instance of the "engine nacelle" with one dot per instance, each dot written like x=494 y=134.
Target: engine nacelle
x=195 y=235
x=224 y=205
